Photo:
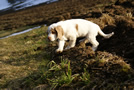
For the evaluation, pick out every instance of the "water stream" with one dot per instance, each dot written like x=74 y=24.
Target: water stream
x=18 y=33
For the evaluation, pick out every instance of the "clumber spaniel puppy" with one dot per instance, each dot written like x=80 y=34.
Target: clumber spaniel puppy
x=72 y=29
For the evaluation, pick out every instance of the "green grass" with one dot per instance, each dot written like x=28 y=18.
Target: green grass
x=19 y=55
x=25 y=62
x=53 y=75
x=63 y=75
x=85 y=77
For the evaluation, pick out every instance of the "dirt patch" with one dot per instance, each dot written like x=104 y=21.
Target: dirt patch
x=106 y=70
x=48 y=13
x=123 y=41
x=113 y=63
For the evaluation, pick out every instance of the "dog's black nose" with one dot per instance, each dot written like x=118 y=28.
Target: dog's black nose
x=49 y=38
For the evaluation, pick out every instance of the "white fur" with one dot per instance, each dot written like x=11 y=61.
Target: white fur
x=86 y=29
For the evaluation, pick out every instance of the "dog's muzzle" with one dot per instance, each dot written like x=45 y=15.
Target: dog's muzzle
x=49 y=38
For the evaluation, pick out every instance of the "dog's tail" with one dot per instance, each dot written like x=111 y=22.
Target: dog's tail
x=105 y=35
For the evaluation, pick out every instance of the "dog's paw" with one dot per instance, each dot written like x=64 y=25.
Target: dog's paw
x=58 y=51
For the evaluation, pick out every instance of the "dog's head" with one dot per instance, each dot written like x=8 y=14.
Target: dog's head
x=55 y=32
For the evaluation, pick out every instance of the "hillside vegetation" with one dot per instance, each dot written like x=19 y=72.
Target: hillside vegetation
x=29 y=61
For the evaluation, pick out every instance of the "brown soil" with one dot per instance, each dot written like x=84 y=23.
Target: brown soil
x=107 y=71
x=116 y=17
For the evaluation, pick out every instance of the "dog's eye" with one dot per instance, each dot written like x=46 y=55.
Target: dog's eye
x=53 y=32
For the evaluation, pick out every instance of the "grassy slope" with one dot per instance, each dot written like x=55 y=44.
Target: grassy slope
x=19 y=55
x=26 y=64
x=9 y=32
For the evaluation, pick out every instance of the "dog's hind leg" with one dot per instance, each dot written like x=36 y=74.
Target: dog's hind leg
x=94 y=42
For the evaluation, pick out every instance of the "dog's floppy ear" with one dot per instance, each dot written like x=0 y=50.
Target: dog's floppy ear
x=60 y=32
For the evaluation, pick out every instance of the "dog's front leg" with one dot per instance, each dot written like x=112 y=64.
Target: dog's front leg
x=71 y=44
x=60 y=46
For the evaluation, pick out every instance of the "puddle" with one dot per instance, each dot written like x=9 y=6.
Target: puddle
x=18 y=33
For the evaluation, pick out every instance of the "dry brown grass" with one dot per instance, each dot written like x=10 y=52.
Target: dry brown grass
x=47 y=14
x=106 y=20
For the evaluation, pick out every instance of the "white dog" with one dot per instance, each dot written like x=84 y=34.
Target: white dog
x=72 y=29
